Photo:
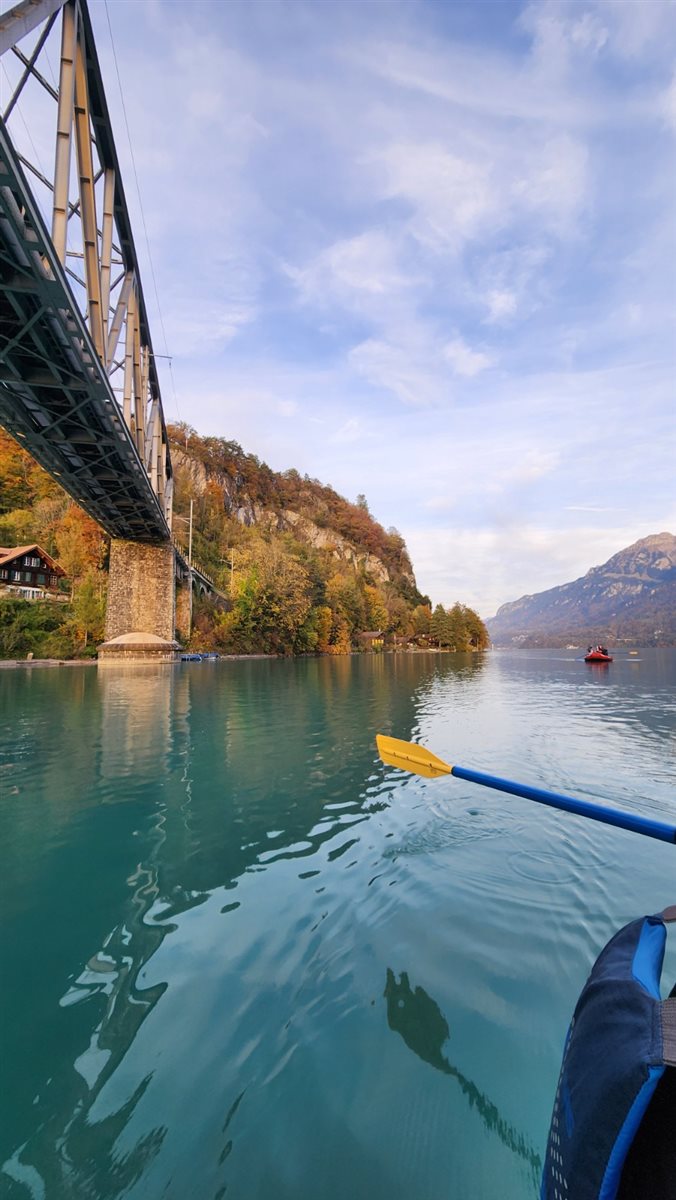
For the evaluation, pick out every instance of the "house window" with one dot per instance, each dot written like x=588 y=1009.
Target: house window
x=4 y=573
x=31 y=561
x=52 y=581
x=42 y=578
x=16 y=575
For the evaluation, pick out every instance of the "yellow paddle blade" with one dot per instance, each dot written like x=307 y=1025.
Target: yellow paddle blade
x=410 y=757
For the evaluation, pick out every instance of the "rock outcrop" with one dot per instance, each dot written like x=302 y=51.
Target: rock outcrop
x=239 y=505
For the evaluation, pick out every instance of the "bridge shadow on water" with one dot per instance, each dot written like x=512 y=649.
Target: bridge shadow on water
x=417 y=1018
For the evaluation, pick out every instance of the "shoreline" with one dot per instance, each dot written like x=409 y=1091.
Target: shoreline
x=10 y=664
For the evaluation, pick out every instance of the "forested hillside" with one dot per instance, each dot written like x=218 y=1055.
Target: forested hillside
x=299 y=568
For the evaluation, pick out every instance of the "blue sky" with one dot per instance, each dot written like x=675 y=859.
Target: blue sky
x=423 y=251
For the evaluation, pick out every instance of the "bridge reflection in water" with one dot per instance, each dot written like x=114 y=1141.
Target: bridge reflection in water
x=417 y=1018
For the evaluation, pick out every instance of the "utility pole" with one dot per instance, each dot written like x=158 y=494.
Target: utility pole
x=190 y=539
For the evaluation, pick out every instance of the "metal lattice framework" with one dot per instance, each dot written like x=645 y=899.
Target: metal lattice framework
x=78 y=380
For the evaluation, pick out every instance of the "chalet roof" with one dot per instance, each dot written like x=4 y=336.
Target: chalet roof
x=9 y=554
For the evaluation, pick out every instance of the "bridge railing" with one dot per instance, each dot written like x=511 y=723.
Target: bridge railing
x=195 y=565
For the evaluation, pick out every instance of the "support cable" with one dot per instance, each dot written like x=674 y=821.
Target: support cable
x=138 y=193
x=24 y=123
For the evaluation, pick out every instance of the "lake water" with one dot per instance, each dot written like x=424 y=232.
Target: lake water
x=242 y=959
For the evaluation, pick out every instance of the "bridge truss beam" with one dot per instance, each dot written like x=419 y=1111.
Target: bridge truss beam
x=60 y=333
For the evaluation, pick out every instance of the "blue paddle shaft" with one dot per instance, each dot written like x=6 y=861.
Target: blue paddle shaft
x=584 y=808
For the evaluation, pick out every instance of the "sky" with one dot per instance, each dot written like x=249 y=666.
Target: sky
x=422 y=251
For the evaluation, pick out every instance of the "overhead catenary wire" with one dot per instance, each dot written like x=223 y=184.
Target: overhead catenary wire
x=143 y=218
x=24 y=122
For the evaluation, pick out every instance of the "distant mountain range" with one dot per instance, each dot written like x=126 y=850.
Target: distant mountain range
x=631 y=598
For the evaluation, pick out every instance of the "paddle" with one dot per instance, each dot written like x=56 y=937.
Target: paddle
x=408 y=756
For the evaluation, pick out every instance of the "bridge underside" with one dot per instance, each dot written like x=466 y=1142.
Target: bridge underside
x=55 y=396
x=79 y=386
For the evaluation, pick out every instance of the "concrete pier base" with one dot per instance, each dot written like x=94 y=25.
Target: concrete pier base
x=138 y=647
x=140 y=614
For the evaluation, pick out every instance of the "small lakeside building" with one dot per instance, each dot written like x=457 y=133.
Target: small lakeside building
x=29 y=571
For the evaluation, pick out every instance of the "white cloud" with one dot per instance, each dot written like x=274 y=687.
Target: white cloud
x=287 y=408
x=596 y=508
x=350 y=431
x=403 y=369
x=638 y=31
x=501 y=303
x=556 y=182
x=667 y=104
x=478 y=81
x=349 y=270
x=562 y=36
x=589 y=33
x=464 y=360
x=450 y=196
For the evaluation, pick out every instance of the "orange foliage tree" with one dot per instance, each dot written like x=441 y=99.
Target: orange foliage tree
x=80 y=543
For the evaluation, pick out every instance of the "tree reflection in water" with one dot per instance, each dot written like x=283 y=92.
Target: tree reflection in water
x=417 y=1018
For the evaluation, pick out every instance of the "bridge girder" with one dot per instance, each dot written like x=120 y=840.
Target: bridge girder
x=59 y=333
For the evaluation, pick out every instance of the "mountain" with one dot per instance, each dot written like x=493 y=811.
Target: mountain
x=630 y=598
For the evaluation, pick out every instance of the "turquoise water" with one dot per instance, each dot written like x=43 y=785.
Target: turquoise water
x=243 y=959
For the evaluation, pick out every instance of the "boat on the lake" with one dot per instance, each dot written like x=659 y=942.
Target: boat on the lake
x=191 y=658
x=598 y=654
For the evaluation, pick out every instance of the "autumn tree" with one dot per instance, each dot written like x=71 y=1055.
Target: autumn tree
x=377 y=616
x=89 y=608
x=477 y=634
x=80 y=543
x=420 y=620
x=22 y=481
x=270 y=602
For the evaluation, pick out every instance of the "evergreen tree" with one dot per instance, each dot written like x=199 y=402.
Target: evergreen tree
x=439 y=630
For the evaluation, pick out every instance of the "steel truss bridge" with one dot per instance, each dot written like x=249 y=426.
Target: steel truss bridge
x=78 y=381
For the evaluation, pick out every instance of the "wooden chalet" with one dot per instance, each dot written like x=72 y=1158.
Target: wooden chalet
x=29 y=570
x=371 y=639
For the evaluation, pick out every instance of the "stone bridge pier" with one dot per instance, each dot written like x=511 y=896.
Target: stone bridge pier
x=141 y=610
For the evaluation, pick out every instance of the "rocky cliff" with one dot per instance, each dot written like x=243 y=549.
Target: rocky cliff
x=255 y=496
x=630 y=598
